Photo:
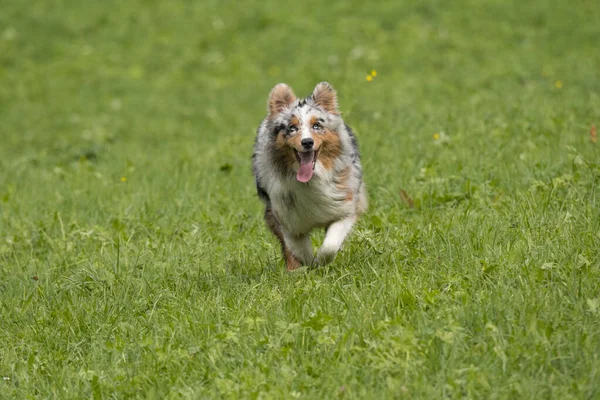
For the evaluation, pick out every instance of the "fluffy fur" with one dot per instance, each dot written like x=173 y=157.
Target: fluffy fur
x=308 y=173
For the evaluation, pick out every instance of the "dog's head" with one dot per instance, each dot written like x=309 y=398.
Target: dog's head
x=306 y=131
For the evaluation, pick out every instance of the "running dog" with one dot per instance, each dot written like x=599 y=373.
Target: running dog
x=307 y=169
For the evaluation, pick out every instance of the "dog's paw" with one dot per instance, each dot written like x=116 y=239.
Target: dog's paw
x=292 y=264
x=325 y=256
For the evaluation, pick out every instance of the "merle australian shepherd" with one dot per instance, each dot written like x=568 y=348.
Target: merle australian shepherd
x=308 y=173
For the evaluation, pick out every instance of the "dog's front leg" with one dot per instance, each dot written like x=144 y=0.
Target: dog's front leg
x=336 y=233
x=300 y=246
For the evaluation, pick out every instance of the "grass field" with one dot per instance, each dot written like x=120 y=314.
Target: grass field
x=134 y=261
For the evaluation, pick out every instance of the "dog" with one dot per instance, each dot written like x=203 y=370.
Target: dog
x=308 y=173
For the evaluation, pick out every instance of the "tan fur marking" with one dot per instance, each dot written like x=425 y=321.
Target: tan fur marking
x=341 y=183
x=330 y=147
x=283 y=156
x=295 y=142
x=284 y=145
x=341 y=179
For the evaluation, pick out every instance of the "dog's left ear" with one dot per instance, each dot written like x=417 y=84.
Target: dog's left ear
x=324 y=96
x=280 y=98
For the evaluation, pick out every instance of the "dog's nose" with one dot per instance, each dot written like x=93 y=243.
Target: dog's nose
x=307 y=143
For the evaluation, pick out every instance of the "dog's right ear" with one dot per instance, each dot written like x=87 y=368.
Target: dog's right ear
x=280 y=98
x=324 y=96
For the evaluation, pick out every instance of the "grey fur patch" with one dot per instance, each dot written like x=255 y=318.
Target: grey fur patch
x=290 y=200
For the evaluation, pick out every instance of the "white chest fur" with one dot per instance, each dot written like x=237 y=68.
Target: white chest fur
x=301 y=207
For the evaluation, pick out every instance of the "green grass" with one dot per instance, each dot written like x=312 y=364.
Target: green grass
x=134 y=261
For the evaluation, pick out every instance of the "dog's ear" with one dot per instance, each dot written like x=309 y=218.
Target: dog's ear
x=325 y=97
x=280 y=98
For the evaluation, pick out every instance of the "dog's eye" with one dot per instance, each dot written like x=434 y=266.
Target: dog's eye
x=317 y=127
x=293 y=128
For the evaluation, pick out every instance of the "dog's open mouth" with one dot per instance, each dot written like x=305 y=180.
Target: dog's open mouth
x=307 y=160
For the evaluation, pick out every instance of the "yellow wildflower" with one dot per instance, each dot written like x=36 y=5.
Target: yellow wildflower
x=436 y=136
x=373 y=73
x=123 y=179
x=369 y=78
x=558 y=84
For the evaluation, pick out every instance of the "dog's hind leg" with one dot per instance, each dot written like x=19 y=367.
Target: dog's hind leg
x=336 y=233
x=291 y=262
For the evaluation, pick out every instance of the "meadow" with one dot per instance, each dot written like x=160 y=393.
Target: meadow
x=134 y=261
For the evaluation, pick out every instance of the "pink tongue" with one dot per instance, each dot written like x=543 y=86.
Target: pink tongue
x=306 y=166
